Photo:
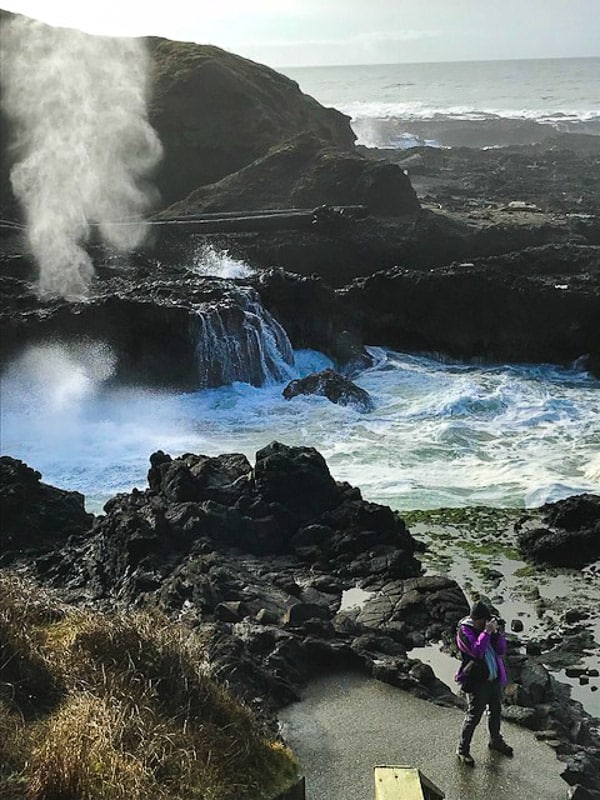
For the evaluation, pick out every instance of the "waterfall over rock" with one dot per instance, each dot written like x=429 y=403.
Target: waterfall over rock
x=239 y=340
x=174 y=330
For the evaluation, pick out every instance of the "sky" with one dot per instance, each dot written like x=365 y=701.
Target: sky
x=325 y=32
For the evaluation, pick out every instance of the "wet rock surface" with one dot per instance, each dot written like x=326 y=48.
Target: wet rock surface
x=333 y=386
x=540 y=304
x=163 y=325
x=558 y=175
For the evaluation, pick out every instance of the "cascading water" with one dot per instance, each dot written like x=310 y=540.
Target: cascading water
x=239 y=340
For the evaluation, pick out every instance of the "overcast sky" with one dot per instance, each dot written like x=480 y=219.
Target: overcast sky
x=306 y=32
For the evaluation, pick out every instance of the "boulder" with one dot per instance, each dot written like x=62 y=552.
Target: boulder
x=583 y=768
x=163 y=541
x=335 y=387
x=299 y=613
x=296 y=478
x=434 y=602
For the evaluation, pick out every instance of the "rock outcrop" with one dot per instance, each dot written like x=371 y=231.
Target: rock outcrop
x=258 y=559
x=288 y=504
x=572 y=535
x=304 y=173
x=215 y=113
x=335 y=387
x=36 y=517
x=540 y=304
x=163 y=327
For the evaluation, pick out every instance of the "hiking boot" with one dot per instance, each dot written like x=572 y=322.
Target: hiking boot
x=501 y=747
x=465 y=757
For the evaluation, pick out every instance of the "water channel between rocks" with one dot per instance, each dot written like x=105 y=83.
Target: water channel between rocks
x=346 y=724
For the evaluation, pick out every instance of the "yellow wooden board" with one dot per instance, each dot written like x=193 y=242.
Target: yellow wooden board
x=403 y=783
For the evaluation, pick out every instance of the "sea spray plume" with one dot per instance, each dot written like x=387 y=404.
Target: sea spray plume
x=84 y=145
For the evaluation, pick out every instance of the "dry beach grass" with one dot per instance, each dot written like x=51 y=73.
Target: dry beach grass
x=118 y=706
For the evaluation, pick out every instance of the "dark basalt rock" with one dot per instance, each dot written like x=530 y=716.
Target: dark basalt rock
x=304 y=173
x=216 y=112
x=573 y=536
x=312 y=314
x=35 y=517
x=196 y=505
x=541 y=304
x=421 y=602
x=333 y=386
x=194 y=545
x=297 y=479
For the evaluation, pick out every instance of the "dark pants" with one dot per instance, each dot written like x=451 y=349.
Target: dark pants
x=488 y=694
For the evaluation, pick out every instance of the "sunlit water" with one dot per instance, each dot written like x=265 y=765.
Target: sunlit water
x=441 y=434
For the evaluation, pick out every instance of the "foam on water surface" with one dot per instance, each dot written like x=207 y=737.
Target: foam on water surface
x=441 y=434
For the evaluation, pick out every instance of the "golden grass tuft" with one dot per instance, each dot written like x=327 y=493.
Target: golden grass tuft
x=129 y=712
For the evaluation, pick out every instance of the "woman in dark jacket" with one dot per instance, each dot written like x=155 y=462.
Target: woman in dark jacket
x=482 y=676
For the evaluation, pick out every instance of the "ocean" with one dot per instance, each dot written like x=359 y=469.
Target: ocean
x=481 y=103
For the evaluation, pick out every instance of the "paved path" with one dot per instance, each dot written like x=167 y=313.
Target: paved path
x=347 y=724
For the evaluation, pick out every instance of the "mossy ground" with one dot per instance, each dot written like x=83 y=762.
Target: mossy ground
x=480 y=533
x=118 y=706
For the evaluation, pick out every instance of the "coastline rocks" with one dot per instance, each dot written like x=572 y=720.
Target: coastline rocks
x=304 y=173
x=36 y=517
x=540 y=304
x=560 y=175
x=258 y=559
x=573 y=536
x=323 y=323
x=333 y=386
x=415 y=609
x=216 y=112
x=288 y=504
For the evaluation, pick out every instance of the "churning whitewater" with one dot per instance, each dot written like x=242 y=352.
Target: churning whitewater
x=442 y=433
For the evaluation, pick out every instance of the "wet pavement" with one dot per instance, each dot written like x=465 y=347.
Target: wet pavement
x=346 y=724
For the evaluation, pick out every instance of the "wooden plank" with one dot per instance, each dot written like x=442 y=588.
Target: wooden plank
x=404 y=783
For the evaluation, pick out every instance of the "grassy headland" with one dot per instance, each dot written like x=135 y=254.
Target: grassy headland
x=118 y=706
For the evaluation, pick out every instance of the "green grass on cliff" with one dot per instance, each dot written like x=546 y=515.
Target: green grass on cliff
x=97 y=707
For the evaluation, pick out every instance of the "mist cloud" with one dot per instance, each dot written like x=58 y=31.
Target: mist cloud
x=85 y=146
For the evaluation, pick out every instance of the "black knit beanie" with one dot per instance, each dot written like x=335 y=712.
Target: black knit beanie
x=480 y=611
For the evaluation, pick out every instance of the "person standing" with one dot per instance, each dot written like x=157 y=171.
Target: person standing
x=482 y=675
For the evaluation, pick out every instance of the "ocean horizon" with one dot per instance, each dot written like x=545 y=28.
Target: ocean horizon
x=473 y=103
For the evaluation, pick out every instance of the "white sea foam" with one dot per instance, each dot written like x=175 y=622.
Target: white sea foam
x=212 y=261
x=442 y=434
x=421 y=111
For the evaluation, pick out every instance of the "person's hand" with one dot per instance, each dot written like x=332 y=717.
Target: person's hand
x=490 y=626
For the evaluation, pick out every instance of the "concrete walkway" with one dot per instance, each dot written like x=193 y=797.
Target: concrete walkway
x=346 y=724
